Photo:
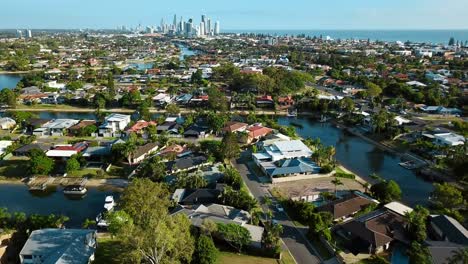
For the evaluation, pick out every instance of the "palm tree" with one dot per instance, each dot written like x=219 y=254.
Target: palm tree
x=129 y=151
x=336 y=182
x=459 y=256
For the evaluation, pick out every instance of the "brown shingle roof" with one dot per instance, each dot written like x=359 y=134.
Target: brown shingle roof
x=346 y=206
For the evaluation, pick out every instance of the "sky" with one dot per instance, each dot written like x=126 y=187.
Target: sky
x=238 y=14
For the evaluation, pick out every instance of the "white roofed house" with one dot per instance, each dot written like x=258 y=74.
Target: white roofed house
x=449 y=139
x=7 y=123
x=60 y=246
x=55 y=127
x=162 y=99
x=113 y=124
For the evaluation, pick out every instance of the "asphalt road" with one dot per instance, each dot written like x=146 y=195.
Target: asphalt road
x=302 y=251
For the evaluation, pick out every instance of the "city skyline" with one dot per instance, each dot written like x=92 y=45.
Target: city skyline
x=244 y=15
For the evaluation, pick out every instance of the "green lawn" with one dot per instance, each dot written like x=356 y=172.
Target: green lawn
x=233 y=258
x=13 y=169
x=108 y=251
x=286 y=258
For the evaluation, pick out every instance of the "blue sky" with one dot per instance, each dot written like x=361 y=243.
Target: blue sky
x=239 y=14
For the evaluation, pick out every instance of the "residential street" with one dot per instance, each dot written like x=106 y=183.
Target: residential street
x=302 y=251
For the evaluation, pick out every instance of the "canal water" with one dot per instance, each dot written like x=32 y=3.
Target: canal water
x=364 y=158
x=185 y=52
x=9 y=80
x=17 y=198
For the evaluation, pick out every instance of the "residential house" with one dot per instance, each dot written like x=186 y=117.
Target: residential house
x=113 y=124
x=24 y=150
x=175 y=150
x=78 y=128
x=264 y=101
x=222 y=214
x=234 y=127
x=59 y=246
x=283 y=150
x=7 y=123
x=162 y=99
x=373 y=233
x=198 y=196
x=449 y=139
x=143 y=151
x=290 y=169
x=447 y=236
x=256 y=132
x=4 y=144
x=55 y=127
x=197 y=131
x=139 y=126
x=347 y=205
x=187 y=163
x=285 y=102
x=66 y=151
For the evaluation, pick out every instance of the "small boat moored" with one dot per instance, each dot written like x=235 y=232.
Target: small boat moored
x=75 y=190
x=109 y=203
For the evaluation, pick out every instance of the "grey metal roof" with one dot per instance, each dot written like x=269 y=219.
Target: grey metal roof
x=61 y=246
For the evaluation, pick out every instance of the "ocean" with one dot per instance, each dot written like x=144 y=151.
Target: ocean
x=426 y=36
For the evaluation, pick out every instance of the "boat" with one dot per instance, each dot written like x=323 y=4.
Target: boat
x=324 y=119
x=101 y=221
x=109 y=203
x=75 y=190
x=409 y=165
x=292 y=113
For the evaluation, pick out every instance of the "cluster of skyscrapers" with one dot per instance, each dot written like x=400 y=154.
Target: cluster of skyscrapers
x=27 y=33
x=189 y=28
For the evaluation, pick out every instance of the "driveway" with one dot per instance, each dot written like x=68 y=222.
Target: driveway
x=302 y=251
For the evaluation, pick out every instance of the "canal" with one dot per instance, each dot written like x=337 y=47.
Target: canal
x=364 y=158
x=9 y=80
x=17 y=198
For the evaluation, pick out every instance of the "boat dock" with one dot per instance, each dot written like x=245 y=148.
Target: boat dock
x=41 y=183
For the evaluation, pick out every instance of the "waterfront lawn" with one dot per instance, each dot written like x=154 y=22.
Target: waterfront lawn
x=108 y=251
x=13 y=169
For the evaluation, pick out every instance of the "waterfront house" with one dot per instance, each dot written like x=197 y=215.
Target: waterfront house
x=113 y=124
x=281 y=150
x=449 y=139
x=59 y=246
x=7 y=123
x=222 y=214
x=285 y=102
x=55 y=127
x=139 y=127
x=24 y=150
x=66 y=151
x=264 y=101
x=77 y=130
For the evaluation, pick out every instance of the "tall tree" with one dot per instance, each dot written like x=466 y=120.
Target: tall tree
x=235 y=235
x=205 y=251
x=231 y=148
x=153 y=236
